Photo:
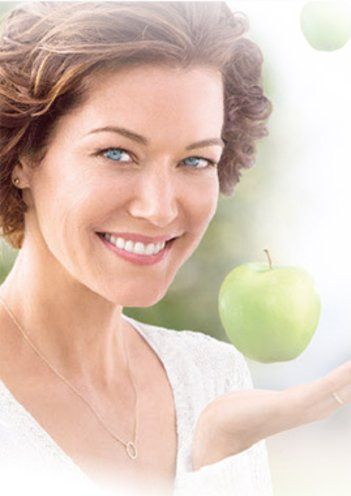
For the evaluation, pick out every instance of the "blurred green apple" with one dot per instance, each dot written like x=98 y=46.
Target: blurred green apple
x=326 y=25
x=269 y=312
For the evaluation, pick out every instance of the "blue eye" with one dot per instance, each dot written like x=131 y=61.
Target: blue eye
x=210 y=163
x=115 y=156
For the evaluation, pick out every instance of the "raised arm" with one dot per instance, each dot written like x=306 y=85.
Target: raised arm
x=236 y=420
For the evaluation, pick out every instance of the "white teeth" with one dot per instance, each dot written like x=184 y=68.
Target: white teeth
x=129 y=246
x=119 y=242
x=137 y=247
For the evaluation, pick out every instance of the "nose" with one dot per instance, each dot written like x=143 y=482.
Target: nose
x=156 y=196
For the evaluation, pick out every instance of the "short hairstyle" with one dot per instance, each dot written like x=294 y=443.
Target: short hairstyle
x=49 y=49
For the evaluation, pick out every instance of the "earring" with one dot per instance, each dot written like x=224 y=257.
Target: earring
x=16 y=181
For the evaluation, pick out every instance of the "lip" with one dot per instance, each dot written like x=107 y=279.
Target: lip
x=135 y=257
x=139 y=237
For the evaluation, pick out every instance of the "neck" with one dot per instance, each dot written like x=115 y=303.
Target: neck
x=79 y=332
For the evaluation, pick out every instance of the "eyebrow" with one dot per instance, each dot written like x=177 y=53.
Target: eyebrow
x=144 y=141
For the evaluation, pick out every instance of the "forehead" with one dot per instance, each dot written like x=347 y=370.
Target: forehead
x=155 y=77
x=153 y=97
x=155 y=87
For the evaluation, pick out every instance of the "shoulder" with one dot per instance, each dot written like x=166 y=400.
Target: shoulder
x=203 y=354
x=196 y=342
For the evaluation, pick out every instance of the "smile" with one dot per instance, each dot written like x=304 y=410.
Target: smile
x=137 y=252
x=135 y=246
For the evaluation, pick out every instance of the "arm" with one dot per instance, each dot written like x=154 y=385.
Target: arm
x=237 y=420
x=245 y=473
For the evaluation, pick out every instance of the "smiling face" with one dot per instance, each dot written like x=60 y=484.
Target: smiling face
x=154 y=189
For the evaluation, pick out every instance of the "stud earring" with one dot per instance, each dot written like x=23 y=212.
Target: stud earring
x=16 y=181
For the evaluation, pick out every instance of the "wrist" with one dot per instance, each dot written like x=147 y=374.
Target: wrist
x=294 y=407
x=315 y=400
x=268 y=412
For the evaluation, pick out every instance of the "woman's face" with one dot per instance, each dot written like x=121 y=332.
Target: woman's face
x=154 y=189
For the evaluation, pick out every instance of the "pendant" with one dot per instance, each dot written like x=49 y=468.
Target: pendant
x=131 y=450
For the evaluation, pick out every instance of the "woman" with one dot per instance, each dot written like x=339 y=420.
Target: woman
x=120 y=125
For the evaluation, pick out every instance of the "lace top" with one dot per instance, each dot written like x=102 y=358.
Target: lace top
x=199 y=368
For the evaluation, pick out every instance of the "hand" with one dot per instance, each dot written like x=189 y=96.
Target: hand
x=235 y=421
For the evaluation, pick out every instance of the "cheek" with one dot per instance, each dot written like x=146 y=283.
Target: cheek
x=66 y=221
x=97 y=207
x=203 y=204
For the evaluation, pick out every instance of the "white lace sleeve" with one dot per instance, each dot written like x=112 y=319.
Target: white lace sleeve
x=244 y=474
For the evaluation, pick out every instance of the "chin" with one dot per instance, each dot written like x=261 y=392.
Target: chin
x=135 y=301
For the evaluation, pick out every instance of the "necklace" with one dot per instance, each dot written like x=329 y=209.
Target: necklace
x=130 y=445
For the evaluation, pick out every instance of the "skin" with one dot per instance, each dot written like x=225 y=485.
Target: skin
x=75 y=288
x=234 y=422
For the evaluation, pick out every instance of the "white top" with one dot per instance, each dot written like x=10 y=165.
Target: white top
x=199 y=368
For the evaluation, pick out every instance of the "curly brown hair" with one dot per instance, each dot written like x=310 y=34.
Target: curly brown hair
x=48 y=51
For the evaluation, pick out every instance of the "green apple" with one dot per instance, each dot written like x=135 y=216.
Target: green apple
x=269 y=312
x=326 y=25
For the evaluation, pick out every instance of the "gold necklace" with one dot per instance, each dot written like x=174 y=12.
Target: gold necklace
x=130 y=445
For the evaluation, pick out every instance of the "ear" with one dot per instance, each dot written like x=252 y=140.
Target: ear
x=24 y=171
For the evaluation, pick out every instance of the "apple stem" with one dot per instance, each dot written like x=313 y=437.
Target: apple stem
x=269 y=258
